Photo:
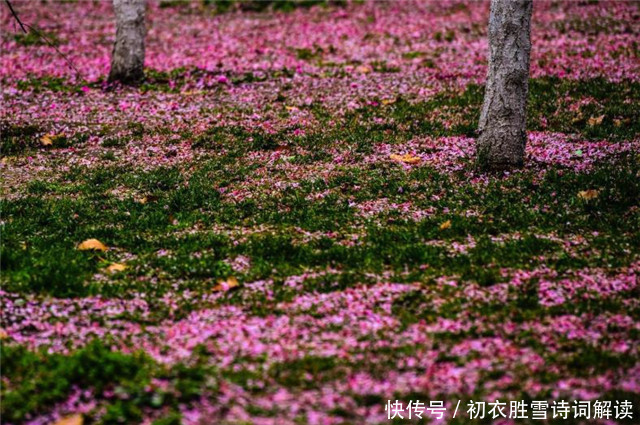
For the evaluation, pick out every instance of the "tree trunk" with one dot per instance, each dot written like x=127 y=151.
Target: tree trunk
x=127 y=61
x=502 y=126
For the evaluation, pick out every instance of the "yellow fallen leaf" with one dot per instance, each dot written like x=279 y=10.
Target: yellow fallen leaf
x=3 y=334
x=70 y=420
x=588 y=194
x=92 y=245
x=116 y=267
x=577 y=118
x=445 y=225
x=52 y=139
x=47 y=140
x=225 y=285
x=406 y=158
x=388 y=101
x=595 y=120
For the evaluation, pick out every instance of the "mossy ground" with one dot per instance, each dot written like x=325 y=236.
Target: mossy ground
x=180 y=210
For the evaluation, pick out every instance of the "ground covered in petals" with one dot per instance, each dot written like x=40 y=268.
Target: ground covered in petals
x=294 y=229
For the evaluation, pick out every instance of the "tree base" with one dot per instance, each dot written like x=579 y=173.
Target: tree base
x=492 y=166
x=128 y=79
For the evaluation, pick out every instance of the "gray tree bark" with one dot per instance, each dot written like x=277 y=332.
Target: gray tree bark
x=127 y=61
x=502 y=127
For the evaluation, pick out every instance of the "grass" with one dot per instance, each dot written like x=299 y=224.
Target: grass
x=39 y=243
x=517 y=223
x=222 y=6
x=594 y=109
x=39 y=252
x=38 y=379
x=37 y=38
x=20 y=138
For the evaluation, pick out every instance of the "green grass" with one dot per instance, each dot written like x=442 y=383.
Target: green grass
x=57 y=221
x=200 y=229
x=554 y=105
x=18 y=139
x=33 y=381
x=43 y=228
x=37 y=38
x=222 y=6
x=548 y=109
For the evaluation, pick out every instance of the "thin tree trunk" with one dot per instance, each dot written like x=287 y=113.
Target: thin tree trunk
x=127 y=61
x=502 y=126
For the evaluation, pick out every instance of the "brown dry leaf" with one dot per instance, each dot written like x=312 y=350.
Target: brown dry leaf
x=225 y=285
x=3 y=334
x=445 y=225
x=407 y=158
x=588 y=194
x=92 y=245
x=364 y=69
x=116 y=267
x=146 y=199
x=70 y=420
x=595 y=120
x=47 y=140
